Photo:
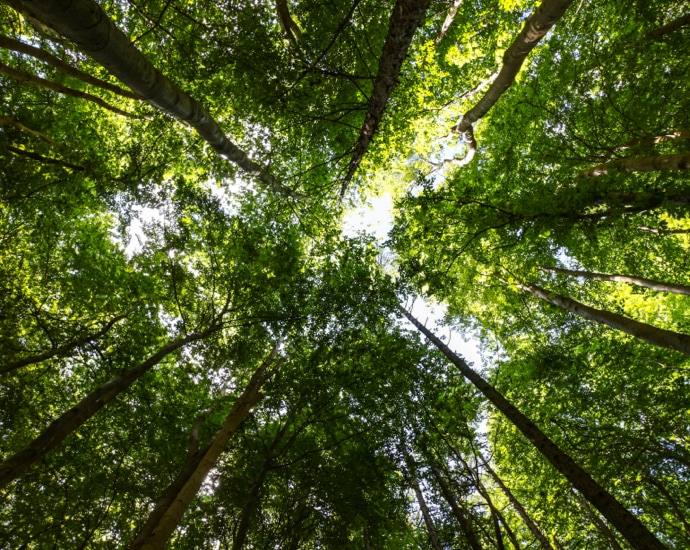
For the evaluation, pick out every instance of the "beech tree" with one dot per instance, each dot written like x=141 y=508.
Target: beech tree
x=180 y=188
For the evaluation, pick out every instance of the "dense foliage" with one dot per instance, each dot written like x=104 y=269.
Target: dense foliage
x=135 y=260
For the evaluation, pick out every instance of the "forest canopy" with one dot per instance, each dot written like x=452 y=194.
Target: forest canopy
x=198 y=351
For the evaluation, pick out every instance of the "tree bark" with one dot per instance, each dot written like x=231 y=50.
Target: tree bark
x=11 y=121
x=287 y=23
x=89 y=27
x=627 y=524
x=656 y=163
x=75 y=417
x=519 y=508
x=428 y=520
x=38 y=53
x=615 y=278
x=60 y=350
x=23 y=76
x=536 y=27
x=253 y=496
x=650 y=141
x=450 y=17
x=406 y=17
x=172 y=505
x=598 y=523
x=44 y=159
x=463 y=520
x=657 y=336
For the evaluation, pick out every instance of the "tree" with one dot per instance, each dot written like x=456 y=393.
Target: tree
x=142 y=274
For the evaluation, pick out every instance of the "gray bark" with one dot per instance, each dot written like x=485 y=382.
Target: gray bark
x=86 y=24
x=657 y=336
x=627 y=524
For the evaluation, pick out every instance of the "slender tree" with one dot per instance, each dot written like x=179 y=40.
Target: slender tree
x=172 y=505
x=614 y=278
x=627 y=524
x=657 y=336
x=86 y=24
x=536 y=27
x=405 y=18
x=74 y=418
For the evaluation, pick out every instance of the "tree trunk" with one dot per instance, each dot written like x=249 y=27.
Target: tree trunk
x=60 y=350
x=650 y=141
x=657 y=336
x=428 y=520
x=536 y=27
x=38 y=53
x=517 y=505
x=89 y=27
x=629 y=526
x=44 y=159
x=253 y=497
x=615 y=278
x=450 y=17
x=463 y=520
x=11 y=121
x=23 y=76
x=660 y=32
x=71 y=420
x=172 y=505
x=287 y=23
x=598 y=523
x=656 y=163
x=406 y=17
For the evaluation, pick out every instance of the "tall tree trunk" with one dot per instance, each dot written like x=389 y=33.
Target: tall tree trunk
x=172 y=505
x=657 y=336
x=615 y=278
x=463 y=520
x=536 y=27
x=75 y=417
x=598 y=523
x=86 y=24
x=38 y=53
x=680 y=161
x=60 y=350
x=629 y=526
x=660 y=32
x=44 y=159
x=428 y=520
x=448 y=21
x=650 y=141
x=23 y=76
x=406 y=17
x=517 y=505
x=253 y=496
x=11 y=121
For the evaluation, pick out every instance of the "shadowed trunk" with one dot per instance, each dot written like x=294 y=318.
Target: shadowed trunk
x=253 y=496
x=657 y=163
x=463 y=520
x=75 y=417
x=627 y=524
x=89 y=27
x=172 y=505
x=406 y=17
